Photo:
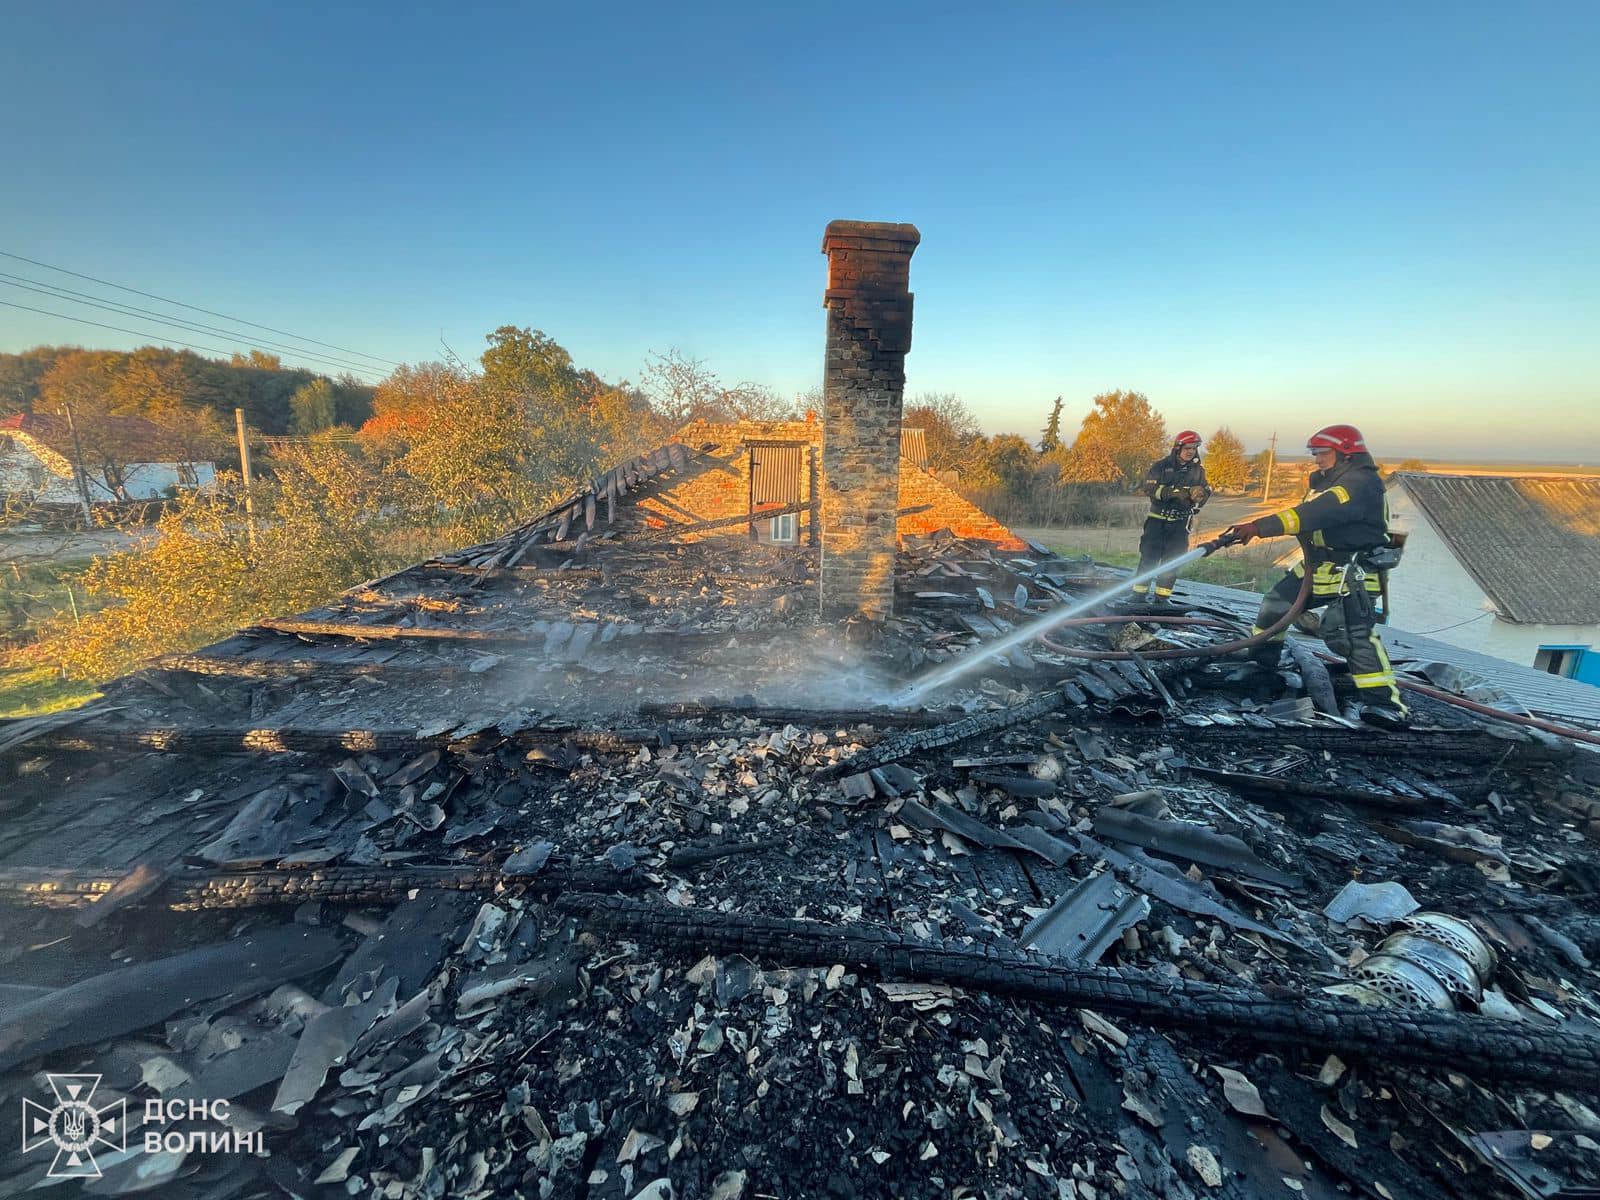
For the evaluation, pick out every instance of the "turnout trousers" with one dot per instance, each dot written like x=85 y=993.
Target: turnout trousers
x=1164 y=538
x=1349 y=627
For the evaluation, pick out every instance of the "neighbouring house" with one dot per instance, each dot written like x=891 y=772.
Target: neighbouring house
x=122 y=459
x=1507 y=565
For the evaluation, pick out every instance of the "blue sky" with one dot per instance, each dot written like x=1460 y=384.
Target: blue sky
x=1262 y=215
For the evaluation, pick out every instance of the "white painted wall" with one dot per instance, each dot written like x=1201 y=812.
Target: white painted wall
x=22 y=471
x=150 y=481
x=1432 y=593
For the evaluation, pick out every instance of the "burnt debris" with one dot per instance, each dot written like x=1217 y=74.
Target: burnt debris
x=1069 y=934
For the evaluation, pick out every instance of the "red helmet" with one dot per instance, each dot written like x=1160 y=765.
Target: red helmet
x=1346 y=439
x=1187 y=438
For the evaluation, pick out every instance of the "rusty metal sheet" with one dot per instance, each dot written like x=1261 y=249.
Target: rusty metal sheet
x=775 y=475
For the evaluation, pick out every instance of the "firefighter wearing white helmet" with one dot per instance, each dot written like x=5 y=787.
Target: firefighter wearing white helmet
x=1177 y=487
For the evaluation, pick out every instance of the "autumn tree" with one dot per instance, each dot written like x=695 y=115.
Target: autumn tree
x=1125 y=427
x=1227 y=469
x=22 y=374
x=499 y=446
x=1087 y=462
x=313 y=407
x=197 y=574
x=1002 y=474
x=955 y=443
x=628 y=425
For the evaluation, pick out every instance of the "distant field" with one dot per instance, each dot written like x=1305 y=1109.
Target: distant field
x=1446 y=467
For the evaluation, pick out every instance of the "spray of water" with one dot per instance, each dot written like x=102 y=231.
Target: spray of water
x=988 y=651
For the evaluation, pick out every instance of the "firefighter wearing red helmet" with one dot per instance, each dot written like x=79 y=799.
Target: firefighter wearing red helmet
x=1344 y=518
x=1177 y=487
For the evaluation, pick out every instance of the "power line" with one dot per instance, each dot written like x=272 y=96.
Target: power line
x=1457 y=625
x=196 y=308
x=133 y=310
x=161 y=337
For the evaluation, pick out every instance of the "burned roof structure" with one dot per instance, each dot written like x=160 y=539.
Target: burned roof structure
x=595 y=862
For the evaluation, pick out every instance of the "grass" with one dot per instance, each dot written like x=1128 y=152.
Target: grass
x=33 y=593
x=28 y=690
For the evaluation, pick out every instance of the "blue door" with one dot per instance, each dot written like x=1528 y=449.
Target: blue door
x=1572 y=662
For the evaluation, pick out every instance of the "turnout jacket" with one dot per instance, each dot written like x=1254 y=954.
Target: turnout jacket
x=1345 y=510
x=1168 y=483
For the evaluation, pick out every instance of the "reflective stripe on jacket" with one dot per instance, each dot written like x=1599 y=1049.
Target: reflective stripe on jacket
x=1168 y=483
x=1345 y=510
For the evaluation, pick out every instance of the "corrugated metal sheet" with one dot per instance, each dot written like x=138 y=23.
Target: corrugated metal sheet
x=775 y=474
x=914 y=445
x=1532 y=542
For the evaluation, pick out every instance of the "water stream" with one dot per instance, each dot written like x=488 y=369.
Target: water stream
x=987 y=651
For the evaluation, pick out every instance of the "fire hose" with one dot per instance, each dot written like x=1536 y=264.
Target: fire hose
x=1295 y=609
x=1211 y=651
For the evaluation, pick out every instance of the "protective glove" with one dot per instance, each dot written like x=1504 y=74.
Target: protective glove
x=1240 y=535
x=1198 y=495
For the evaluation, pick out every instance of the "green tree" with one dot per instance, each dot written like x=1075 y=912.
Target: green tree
x=1226 y=466
x=530 y=362
x=497 y=448
x=1124 y=426
x=1050 y=440
x=313 y=407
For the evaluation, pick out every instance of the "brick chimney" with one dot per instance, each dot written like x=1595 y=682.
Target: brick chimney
x=863 y=392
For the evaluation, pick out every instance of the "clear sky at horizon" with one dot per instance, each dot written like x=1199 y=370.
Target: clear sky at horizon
x=1261 y=215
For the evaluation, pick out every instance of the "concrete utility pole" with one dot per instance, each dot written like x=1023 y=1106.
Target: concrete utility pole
x=244 y=469
x=1272 y=458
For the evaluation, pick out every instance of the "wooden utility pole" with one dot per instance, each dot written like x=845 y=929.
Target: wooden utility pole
x=1272 y=458
x=244 y=470
x=77 y=468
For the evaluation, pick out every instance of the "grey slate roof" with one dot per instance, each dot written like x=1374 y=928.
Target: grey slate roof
x=1532 y=542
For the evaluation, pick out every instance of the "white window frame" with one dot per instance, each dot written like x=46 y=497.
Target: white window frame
x=784 y=529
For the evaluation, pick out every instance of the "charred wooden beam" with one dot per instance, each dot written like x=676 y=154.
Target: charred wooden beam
x=1381 y=801
x=350 y=629
x=811 y=717
x=629 y=573
x=893 y=749
x=1488 y=1048
x=1416 y=745
x=296 y=668
x=677 y=530
x=189 y=890
x=99 y=739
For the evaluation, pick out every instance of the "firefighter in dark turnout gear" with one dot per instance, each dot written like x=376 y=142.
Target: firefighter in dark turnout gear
x=1344 y=518
x=1177 y=487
